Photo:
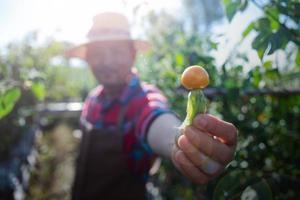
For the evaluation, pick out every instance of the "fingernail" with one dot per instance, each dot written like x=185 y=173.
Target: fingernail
x=182 y=141
x=210 y=166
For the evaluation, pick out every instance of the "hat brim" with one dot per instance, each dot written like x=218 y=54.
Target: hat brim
x=80 y=50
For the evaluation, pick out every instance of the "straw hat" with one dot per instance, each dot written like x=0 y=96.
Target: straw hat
x=106 y=27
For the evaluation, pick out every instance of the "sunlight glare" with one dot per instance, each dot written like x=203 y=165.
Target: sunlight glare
x=66 y=20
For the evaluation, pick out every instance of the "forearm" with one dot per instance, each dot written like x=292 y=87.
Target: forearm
x=162 y=134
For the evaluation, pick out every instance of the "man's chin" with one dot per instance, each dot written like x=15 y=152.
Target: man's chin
x=113 y=85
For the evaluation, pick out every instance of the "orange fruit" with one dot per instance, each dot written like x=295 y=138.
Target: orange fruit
x=194 y=77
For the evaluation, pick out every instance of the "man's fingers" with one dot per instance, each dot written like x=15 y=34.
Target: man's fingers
x=216 y=127
x=189 y=169
x=213 y=148
x=199 y=159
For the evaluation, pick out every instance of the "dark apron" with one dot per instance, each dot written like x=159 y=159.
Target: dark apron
x=101 y=171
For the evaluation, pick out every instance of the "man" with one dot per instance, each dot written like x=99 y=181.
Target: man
x=126 y=123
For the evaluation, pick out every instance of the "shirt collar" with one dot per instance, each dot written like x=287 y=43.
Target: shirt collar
x=128 y=92
x=132 y=87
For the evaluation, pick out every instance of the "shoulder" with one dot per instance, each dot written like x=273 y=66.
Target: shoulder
x=153 y=93
x=91 y=104
x=147 y=87
x=91 y=99
x=153 y=96
x=94 y=94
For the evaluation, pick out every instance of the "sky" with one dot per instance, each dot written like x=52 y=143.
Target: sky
x=233 y=33
x=69 y=20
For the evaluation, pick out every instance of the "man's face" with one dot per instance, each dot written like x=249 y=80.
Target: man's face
x=111 y=62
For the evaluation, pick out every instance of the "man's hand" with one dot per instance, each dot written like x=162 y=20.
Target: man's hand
x=205 y=148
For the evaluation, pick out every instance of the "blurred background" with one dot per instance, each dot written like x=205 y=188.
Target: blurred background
x=251 y=49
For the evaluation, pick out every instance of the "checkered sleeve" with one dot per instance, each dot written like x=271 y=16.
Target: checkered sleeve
x=155 y=104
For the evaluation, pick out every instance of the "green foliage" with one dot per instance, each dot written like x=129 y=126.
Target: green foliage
x=235 y=182
x=67 y=83
x=39 y=90
x=232 y=7
x=259 y=190
x=8 y=99
x=265 y=165
x=31 y=72
x=278 y=26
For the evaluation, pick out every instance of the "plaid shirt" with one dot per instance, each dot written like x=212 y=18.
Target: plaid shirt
x=143 y=103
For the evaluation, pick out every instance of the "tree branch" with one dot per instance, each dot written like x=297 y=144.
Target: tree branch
x=211 y=92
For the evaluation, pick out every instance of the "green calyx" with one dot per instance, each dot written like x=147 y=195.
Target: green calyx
x=196 y=104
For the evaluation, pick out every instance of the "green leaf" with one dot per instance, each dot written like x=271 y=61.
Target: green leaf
x=8 y=101
x=298 y=59
x=179 y=59
x=231 y=9
x=233 y=184
x=230 y=83
x=229 y=185
x=274 y=41
x=248 y=29
x=170 y=74
x=205 y=59
x=256 y=77
x=278 y=40
x=261 y=53
x=274 y=24
x=38 y=90
x=272 y=74
x=196 y=104
x=296 y=10
x=263 y=24
x=11 y=95
x=214 y=45
x=260 y=43
x=226 y=2
x=273 y=11
x=260 y=190
x=243 y=5
x=268 y=64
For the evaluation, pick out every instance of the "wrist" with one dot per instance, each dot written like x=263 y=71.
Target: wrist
x=162 y=134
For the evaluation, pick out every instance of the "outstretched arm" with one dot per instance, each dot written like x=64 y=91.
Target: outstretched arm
x=203 y=149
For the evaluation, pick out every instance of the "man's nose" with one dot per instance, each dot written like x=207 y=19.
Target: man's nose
x=105 y=62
